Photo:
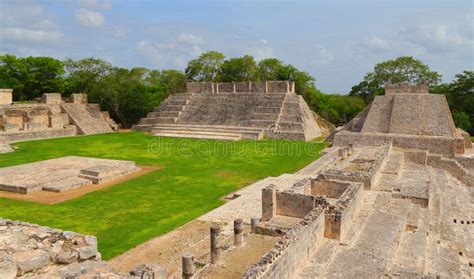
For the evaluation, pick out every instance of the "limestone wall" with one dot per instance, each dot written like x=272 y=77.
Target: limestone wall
x=28 y=249
x=293 y=204
x=446 y=146
x=6 y=96
x=293 y=249
x=406 y=88
x=241 y=87
x=452 y=167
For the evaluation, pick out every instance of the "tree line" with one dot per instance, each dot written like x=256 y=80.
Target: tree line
x=129 y=94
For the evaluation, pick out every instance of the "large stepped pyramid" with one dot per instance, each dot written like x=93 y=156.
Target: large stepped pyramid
x=409 y=117
x=233 y=110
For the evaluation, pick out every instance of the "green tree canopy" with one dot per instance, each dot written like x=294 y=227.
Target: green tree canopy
x=405 y=69
x=205 y=67
x=30 y=77
x=238 y=69
x=82 y=75
x=460 y=96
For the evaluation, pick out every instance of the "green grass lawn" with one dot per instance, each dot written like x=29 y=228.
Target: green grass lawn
x=195 y=174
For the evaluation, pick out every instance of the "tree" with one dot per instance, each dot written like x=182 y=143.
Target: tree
x=83 y=74
x=270 y=69
x=405 y=69
x=460 y=96
x=205 y=67
x=238 y=69
x=173 y=80
x=30 y=77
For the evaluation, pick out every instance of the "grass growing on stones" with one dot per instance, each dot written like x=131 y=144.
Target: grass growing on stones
x=195 y=175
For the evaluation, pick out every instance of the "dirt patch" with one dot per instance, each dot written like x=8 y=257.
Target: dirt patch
x=167 y=249
x=237 y=260
x=47 y=197
x=193 y=237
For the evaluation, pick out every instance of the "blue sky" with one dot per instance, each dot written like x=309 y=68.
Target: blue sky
x=335 y=41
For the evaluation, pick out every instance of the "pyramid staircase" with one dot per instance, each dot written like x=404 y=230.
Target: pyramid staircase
x=231 y=116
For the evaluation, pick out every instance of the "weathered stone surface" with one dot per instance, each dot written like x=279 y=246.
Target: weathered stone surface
x=62 y=174
x=31 y=260
x=8 y=268
x=149 y=271
x=239 y=106
x=51 y=118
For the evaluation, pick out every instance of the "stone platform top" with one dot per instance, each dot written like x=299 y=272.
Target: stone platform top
x=62 y=174
x=409 y=117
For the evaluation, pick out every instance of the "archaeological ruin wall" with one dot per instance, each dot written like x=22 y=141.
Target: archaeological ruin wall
x=234 y=110
x=408 y=117
x=52 y=117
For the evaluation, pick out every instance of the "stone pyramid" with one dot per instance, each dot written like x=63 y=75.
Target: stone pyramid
x=233 y=111
x=409 y=117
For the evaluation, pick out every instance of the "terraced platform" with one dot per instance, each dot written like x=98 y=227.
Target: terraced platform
x=409 y=118
x=415 y=221
x=233 y=114
x=62 y=174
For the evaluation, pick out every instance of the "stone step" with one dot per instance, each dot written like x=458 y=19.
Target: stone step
x=290 y=126
x=168 y=108
x=67 y=184
x=242 y=132
x=173 y=102
x=295 y=112
x=319 y=261
x=290 y=106
x=163 y=114
x=198 y=135
x=279 y=134
x=291 y=118
x=263 y=123
x=265 y=116
x=273 y=110
x=157 y=120
x=367 y=257
x=394 y=163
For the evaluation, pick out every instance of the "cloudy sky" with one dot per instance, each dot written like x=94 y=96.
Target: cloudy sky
x=337 y=41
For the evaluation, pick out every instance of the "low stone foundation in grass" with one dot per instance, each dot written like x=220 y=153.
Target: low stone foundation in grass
x=63 y=174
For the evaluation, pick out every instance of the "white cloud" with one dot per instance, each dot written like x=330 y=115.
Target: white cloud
x=261 y=52
x=168 y=55
x=190 y=39
x=119 y=33
x=30 y=35
x=46 y=24
x=89 y=18
x=376 y=43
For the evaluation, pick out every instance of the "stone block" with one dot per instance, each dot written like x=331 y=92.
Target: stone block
x=6 y=96
x=51 y=98
x=200 y=87
x=225 y=87
x=415 y=157
x=242 y=87
x=278 y=86
x=58 y=120
x=406 y=88
x=268 y=203
x=258 y=87
x=79 y=98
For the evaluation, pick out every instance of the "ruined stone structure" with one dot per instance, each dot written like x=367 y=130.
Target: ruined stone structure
x=393 y=198
x=232 y=111
x=32 y=251
x=62 y=174
x=390 y=212
x=409 y=117
x=51 y=118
